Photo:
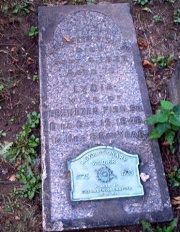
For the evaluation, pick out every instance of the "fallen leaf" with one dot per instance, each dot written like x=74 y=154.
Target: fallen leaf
x=17 y=163
x=17 y=218
x=144 y=177
x=13 y=49
x=175 y=201
x=63 y=2
x=147 y=63
x=142 y=44
x=10 y=70
x=67 y=38
x=165 y=144
x=12 y=178
x=29 y=60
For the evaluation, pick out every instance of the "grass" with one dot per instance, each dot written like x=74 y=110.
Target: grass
x=24 y=214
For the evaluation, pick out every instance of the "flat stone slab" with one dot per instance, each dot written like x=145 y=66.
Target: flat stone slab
x=93 y=93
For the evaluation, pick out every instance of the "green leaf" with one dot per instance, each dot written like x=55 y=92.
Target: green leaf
x=174 y=128
x=176 y=183
x=170 y=58
x=159 y=117
x=159 y=229
x=147 y=226
x=154 y=134
x=162 y=127
x=176 y=109
x=154 y=60
x=7 y=208
x=26 y=10
x=160 y=59
x=152 y=120
x=167 y=105
x=173 y=224
x=16 y=11
x=169 y=137
x=175 y=119
x=162 y=117
x=4 y=148
x=33 y=144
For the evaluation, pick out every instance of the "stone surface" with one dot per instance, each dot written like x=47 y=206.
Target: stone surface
x=93 y=93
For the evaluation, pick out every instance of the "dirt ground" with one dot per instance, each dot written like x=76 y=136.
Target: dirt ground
x=157 y=35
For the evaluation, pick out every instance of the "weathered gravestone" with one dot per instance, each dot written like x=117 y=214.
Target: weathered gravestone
x=93 y=105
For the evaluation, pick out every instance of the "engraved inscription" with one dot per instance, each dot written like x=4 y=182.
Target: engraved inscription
x=90 y=88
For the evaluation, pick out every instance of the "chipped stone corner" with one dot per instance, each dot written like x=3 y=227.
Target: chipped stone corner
x=57 y=226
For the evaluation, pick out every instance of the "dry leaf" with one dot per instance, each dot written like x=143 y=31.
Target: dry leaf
x=67 y=38
x=17 y=163
x=13 y=49
x=144 y=177
x=165 y=144
x=30 y=60
x=176 y=201
x=142 y=44
x=147 y=63
x=10 y=70
x=12 y=178
x=17 y=218
x=63 y=2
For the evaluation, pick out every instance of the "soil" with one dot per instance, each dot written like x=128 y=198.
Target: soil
x=20 y=95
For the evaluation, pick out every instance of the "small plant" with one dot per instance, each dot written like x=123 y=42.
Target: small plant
x=147 y=227
x=157 y=18
x=90 y=1
x=5 y=9
x=162 y=62
x=1 y=87
x=170 y=1
x=33 y=31
x=174 y=177
x=22 y=8
x=77 y=2
x=166 y=121
x=177 y=16
x=23 y=153
x=33 y=119
x=31 y=183
x=35 y=77
x=141 y=2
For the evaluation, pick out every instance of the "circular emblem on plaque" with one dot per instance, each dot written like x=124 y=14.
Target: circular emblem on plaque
x=105 y=174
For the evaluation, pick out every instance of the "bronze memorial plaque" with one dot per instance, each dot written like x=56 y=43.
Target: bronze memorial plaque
x=110 y=173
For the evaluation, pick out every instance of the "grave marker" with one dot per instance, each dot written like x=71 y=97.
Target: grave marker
x=93 y=95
